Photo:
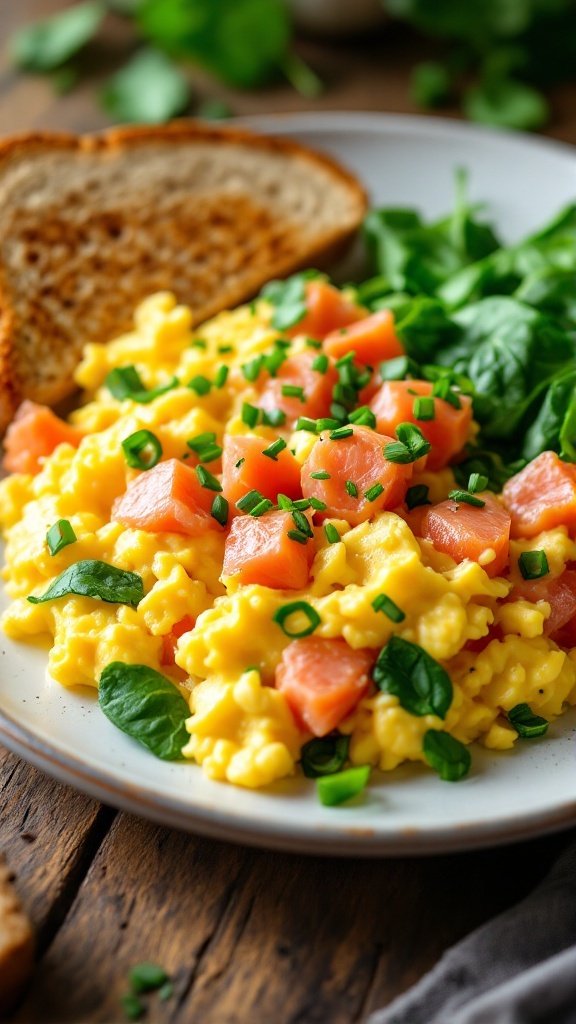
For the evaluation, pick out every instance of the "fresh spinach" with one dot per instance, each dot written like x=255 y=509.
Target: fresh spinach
x=92 y=578
x=443 y=752
x=149 y=89
x=289 y=299
x=527 y=724
x=421 y=684
x=145 y=705
x=46 y=45
x=554 y=427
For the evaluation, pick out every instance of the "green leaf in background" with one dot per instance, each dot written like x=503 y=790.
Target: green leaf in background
x=507 y=104
x=431 y=84
x=46 y=45
x=241 y=41
x=145 y=705
x=554 y=428
x=149 y=89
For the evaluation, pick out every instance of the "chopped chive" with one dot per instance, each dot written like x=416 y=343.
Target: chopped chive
x=220 y=509
x=200 y=384
x=249 y=501
x=198 y=343
x=250 y=414
x=320 y=475
x=283 y=343
x=305 y=423
x=282 y=614
x=373 y=492
x=273 y=361
x=293 y=391
x=417 y=495
x=284 y=502
x=122 y=381
x=200 y=441
x=146 y=977
x=301 y=538
x=239 y=463
x=210 y=453
x=341 y=433
x=385 y=604
x=336 y=789
x=142 y=450
x=477 y=482
x=443 y=389
x=338 y=411
x=527 y=724
x=324 y=756
x=332 y=535
x=320 y=363
x=301 y=523
x=60 y=535
x=351 y=488
x=326 y=423
x=363 y=417
x=221 y=376
x=263 y=506
x=466 y=498
x=273 y=450
x=533 y=564
x=345 y=360
x=251 y=370
x=273 y=417
x=410 y=446
x=222 y=350
x=207 y=480
x=317 y=505
x=424 y=408
x=302 y=504
x=313 y=343
x=398 y=368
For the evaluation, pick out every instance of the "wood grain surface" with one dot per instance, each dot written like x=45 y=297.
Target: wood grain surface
x=245 y=935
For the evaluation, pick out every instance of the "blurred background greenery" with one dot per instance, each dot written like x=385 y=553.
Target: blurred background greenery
x=495 y=59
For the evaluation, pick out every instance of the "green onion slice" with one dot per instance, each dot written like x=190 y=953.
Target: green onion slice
x=273 y=450
x=320 y=475
x=351 y=488
x=142 y=449
x=281 y=615
x=466 y=498
x=341 y=433
x=373 y=492
x=207 y=480
x=533 y=564
x=249 y=501
x=220 y=509
x=324 y=756
x=200 y=384
x=332 y=535
x=336 y=789
x=125 y=382
x=320 y=363
x=385 y=604
x=424 y=408
x=527 y=724
x=293 y=391
x=250 y=414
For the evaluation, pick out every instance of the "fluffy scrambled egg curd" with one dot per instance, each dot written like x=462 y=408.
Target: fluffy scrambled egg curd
x=255 y=514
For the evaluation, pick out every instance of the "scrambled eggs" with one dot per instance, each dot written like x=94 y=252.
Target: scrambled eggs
x=241 y=729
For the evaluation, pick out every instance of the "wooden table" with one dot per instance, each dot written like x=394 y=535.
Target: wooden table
x=246 y=935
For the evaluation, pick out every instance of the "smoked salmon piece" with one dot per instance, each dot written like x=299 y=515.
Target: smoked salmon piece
x=245 y=468
x=327 y=309
x=372 y=340
x=166 y=499
x=448 y=430
x=313 y=394
x=323 y=680
x=541 y=496
x=466 y=531
x=33 y=434
x=259 y=550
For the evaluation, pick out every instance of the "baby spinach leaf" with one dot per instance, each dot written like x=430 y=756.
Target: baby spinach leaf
x=406 y=670
x=424 y=326
x=91 y=578
x=527 y=724
x=150 y=89
x=143 y=703
x=47 y=44
x=554 y=428
x=450 y=758
x=506 y=103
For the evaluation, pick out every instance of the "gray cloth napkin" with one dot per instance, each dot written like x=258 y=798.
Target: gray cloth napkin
x=520 y=968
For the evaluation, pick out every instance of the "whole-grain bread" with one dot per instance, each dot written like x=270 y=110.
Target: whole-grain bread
x=90 y=225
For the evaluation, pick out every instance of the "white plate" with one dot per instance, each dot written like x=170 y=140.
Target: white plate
x=507 y=796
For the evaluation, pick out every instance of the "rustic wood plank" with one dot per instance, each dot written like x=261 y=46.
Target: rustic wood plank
x=49 y=835
x=250 y=935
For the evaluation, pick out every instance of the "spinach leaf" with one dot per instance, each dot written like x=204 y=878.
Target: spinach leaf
x=149 y=89
x=143 y=703
x=423 y=326
x=554 y=428
x=527 y=724
x=289 y=298
x=510 y=352
x=91 y=578
x=450 y=758
x=406 y=670
x=46 y=45
x=506 y=103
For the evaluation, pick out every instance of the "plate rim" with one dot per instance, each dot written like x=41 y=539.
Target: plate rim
x=315 y=839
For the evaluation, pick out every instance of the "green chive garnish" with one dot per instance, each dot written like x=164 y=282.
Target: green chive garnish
x=273 y=417
x=477 y=482
x=142 y=450
x=301 y=523
x=273 y=450
x=410 y=446
x=320 y=363
x=313 y=343
x=527 y=724
x=373 y=492
x=332 y=535
x=221 y=376
x=336 y=789
x=385 y=604
x=533 y=564
x=363 y=417
x=200 y=384
x=219 y=510
x=282 y=614
x=200 y=441
x=320 y=475
x=123 y=381
x=284 y=502
x=466 y=498
x=222 y=350
x=293 y=391
x=443 y=389
x=251 y=370
x=326 y=423
x=351 y=488
x=424 y=408
x=296 y=535
x=305 y=423
x=207 y=480
x=263 y=506
x=341 y=433
x=398 y=368
x=249 y=501
x=324 y=756
x=239 y=463
x=417 y=495
x=198 y=343
x=302 y=504
x=319 y=506
x=250 y=414
x=60 y=536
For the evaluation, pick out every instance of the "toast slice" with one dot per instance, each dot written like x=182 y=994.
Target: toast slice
x=90 y=225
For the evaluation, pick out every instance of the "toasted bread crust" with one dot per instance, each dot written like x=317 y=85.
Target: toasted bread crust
x=39 y=347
